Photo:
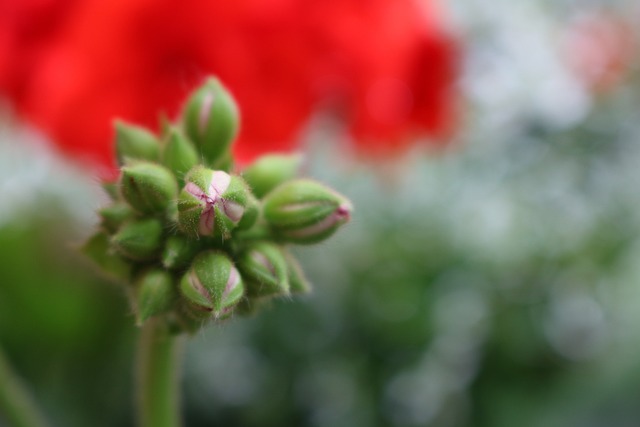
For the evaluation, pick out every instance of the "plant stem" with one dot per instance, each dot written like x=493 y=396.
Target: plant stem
x=158 y=365
x=16 y=404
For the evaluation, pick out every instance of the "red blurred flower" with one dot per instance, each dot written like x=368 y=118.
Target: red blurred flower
x=386 y=65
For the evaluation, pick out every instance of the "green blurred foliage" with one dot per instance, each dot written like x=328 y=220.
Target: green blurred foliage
x=65 y=329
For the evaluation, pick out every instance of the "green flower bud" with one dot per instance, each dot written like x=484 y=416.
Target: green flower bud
x=139 y=240
x=264 y=266
x=98 y=248
x=179 y=154
x=135 y=143
x=211 y=120
x=304 y=211
x=251 y=212
x=155 y=294
x=113 y=216
x=179 y=252
x=212 y=202
x=298 y=282
x=212 y=285
x=147 y=187
x=269 y=171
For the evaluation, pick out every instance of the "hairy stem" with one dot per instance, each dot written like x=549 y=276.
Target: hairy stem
x=16 y=404
x=158 y=366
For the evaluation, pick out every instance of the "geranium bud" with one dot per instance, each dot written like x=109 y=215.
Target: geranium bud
x=211 y=202
x=298 y=282
x=135 y=143
x=179 y=251
x=212 y=285
x=147 y=187
x=139 y=240
x=179 y=154
x=114 y=215
x=269 y=171
x=211 y=120
x=304 y=211
x=155 y=294
x=251 y=212
x=265 y=268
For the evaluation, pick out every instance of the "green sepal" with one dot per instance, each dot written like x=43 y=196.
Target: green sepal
x=155 y=294
x=269 y=171
x=251 y=211
x=212 y=284
x=114 y=215
x=135 y=143
x=179 y=251
x=265 y=268
x=148 y=188
x=238 y=192
x=211 y=121
x=304 y=211
x=139 y=240
x=98 y=249
x=178 y=154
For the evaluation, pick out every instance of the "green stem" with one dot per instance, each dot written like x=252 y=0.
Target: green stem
x=16 y=404
x=158 y=365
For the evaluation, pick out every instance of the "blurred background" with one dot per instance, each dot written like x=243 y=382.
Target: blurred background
x=490 y=275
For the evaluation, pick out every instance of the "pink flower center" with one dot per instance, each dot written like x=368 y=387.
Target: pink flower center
x=213 y=197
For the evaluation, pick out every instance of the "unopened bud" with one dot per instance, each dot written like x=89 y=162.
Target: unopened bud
x=113 y=216
x=211 y=120
x=155 y=294
x=179 y=252
x=251 y=211
x=139 y=240
x=304 y=211
x=211 y=202
x=212 y=285
x=179 y=154
x=147 y=187
x=265 y=268
x=269 y=171
x=135 y=143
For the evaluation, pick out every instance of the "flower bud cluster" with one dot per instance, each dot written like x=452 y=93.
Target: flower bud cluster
x=197 y=240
